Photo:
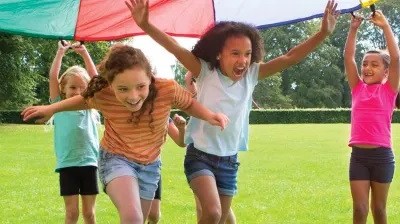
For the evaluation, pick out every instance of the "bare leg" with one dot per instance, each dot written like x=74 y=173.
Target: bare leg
x=71 y=209
x=155 y=213
x=206 y=191
x=379 y=194
x=226 y=207
x=360 y=194
x=231 y=217
x=88 y=209
x=124 y=193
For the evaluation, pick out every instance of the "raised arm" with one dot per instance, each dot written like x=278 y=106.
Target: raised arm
x=176 y=130
x=82 y=51
x=44 y=113
x=350 y=64
x=394 y=67
x=140 y=13
x=299 y=52
x=54 y=89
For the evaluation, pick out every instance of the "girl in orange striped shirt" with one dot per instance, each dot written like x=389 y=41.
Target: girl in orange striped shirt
x=135 y=106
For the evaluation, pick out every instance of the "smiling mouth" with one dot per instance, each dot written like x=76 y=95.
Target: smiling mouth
x=132 y=103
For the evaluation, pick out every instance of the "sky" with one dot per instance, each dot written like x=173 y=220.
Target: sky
x=160 y=59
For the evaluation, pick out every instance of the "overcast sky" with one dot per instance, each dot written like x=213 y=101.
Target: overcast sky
x=159 y=58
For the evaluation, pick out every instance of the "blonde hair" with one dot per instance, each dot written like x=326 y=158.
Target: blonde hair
x=77 y=71
x=72 y=71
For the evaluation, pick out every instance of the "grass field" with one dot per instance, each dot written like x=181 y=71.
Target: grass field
x=291 y=174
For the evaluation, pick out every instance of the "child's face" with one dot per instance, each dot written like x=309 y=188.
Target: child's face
x=131 y=88
x=373 y=69
x=75 y=86
x=235 y=57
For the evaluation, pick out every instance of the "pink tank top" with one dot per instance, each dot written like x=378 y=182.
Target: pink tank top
x=371 y=114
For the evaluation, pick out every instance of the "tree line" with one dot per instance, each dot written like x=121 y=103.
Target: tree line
x=317 y=82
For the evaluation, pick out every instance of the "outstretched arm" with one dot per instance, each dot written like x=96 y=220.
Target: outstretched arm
x=394 y=67
x=89 y=65
x=54 y=89
x=140 y=13
x=44 y=113
x=201 y=112
x=298 y=53
x=350 y=64
x=176 y=130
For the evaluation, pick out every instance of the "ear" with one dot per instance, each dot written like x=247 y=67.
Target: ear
x=386 y=71
x=218 y=57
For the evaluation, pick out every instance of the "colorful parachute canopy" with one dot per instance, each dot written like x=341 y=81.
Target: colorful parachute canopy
x=92 y=20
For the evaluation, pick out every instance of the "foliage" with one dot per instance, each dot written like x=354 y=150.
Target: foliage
x=25 y=64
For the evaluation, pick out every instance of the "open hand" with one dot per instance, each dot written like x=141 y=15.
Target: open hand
x=139 y=11
x=330 y=17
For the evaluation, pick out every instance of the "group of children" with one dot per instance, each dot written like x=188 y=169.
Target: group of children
x=226 y=64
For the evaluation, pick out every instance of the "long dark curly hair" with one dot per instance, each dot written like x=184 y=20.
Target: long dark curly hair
x=119 y=58
x=211 y=43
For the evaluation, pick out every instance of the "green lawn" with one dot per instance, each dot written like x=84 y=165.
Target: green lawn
x=291 y=174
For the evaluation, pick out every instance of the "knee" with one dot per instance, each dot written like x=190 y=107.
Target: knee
x=72 y=215
x=131 y=218
x=89 y=215
x=378 y=211
x=212 y=215
x=154 y=217
x=360 y=210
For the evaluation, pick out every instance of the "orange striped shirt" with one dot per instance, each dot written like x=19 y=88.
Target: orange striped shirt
x=139 y=142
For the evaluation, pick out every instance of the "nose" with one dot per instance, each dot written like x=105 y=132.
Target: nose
x=243 y=59
x=133 y=95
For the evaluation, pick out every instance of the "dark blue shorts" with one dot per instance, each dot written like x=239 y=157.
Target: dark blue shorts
x=372 y=164
x=78 y=180
x=223 y=168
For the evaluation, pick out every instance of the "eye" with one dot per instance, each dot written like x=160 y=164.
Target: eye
x=122 y=89
x=140 y=87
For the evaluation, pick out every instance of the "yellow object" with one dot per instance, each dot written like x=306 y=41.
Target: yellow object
x=367 y=3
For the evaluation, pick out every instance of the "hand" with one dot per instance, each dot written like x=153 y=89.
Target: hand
x=139 y=11
x=79 y=48
x=219 y=119
x=41 y=112
x=179 y=122
x=379 y=19
x=356 y=21
x=63 y=46
x=330 y=17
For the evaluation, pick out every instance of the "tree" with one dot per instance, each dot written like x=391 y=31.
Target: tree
x=25 y=64
x=18 y=79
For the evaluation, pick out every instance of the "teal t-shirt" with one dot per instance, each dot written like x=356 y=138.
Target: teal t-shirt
x=76 y=139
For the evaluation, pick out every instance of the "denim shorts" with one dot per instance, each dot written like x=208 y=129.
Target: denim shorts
x=223 y=168
x=375 y=164
x=112 y=166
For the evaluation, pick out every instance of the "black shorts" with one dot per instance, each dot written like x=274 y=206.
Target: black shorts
x=372 y=164
x=157 y=195
x=78 y=180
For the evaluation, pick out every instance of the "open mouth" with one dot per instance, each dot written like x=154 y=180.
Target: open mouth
x=130 y=103
x=238 y=72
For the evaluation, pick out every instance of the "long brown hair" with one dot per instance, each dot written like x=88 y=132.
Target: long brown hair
x=119 y=58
